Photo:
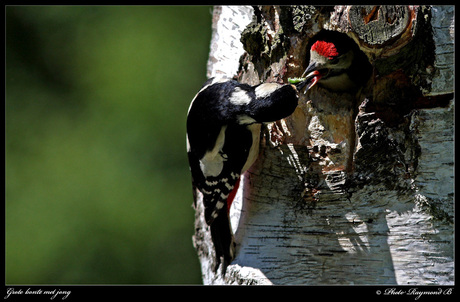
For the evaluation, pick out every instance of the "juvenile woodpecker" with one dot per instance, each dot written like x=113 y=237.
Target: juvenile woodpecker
x=337 y=64
x=223 y=130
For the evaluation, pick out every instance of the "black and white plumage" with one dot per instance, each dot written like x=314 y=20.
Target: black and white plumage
x=223 y=130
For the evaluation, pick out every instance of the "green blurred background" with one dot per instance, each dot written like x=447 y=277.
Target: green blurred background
x=97 y=180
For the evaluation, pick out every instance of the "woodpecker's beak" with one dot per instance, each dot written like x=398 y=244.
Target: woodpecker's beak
x=313 y=76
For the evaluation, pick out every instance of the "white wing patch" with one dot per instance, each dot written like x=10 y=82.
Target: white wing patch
x=239 y=97
x=212 y=162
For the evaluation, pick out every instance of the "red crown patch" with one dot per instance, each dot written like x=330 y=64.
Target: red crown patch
x=326 y=49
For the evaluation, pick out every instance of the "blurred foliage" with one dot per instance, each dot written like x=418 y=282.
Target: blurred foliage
x=97 y=180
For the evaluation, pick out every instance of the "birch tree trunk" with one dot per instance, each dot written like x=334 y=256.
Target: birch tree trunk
x=350 y=189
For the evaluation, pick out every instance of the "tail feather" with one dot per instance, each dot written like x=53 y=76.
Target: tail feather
x=216 y=214
x=224 y=243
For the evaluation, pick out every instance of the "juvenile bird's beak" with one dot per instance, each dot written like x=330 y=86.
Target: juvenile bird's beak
x=311 y=68
x=311 y=78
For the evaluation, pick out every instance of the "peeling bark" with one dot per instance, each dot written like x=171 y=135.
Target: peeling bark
x=350 y=189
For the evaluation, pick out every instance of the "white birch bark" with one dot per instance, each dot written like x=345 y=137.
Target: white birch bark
x=295 y=219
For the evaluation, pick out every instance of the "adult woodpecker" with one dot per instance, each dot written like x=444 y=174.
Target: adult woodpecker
x=223 y=131
x=336 y=63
